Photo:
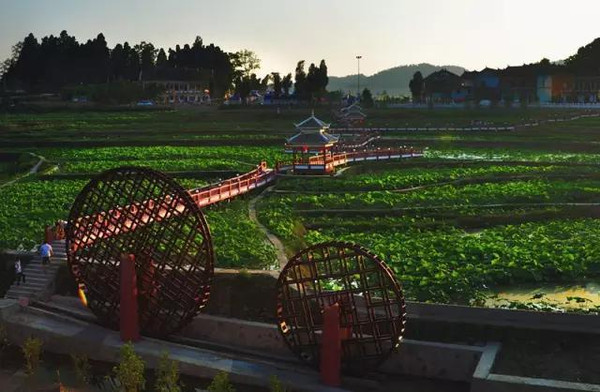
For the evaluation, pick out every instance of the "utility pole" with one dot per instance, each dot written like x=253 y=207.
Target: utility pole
x=358 y=78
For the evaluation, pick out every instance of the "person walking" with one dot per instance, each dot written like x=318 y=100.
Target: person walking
x=19 y=275
x=46 y=251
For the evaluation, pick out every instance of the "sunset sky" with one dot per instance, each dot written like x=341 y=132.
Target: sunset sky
x=386 y=33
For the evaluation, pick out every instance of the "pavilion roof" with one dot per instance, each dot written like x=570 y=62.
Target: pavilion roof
x=350 y=115
x=354 y=107
x=312 y=139
x=312 y=123
x=353 y=111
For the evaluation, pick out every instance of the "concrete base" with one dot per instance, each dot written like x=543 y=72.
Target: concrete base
x=8 y=307
x=424 y=359
x=63 y=335
x=486 y=381
x=252 y=351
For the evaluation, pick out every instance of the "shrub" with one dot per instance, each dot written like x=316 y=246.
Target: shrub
x=82 y=368
x=130 y=371
x=275 y=385
x=167 y=375
x=32 y=349
x=221 y=383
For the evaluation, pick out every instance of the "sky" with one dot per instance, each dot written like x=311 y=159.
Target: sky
x=386 y=33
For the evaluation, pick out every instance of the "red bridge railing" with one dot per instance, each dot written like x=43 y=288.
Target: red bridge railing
x=118 y=220
x=233 y=187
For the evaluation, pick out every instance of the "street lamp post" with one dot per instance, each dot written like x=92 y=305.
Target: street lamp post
x=358 y=78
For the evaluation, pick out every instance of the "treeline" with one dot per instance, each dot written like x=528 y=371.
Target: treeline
x=307 y=86
x=92 y=69
x=50 y=64
x=587 y=59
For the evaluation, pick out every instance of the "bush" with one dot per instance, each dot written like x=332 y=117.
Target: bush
x=82 y=368
x=130 y=372
x=32 y=350
x=275 y=385
x=167 y=375
x=221 y=383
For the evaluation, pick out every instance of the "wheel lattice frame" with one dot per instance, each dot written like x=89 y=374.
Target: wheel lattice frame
x=371 y=299
x=142 y=212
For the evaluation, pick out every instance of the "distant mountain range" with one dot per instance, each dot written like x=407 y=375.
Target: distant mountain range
x=394 y=80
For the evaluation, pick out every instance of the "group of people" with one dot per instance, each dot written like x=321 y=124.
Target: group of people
x=46 y=252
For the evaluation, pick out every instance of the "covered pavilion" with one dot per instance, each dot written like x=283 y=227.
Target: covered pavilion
x=312 y=146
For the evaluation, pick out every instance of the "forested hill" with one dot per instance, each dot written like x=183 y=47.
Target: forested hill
x=394 y=80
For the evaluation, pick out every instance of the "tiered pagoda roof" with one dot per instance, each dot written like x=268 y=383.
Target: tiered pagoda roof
x=311 y=123
x=353 y=111
x=312 y=133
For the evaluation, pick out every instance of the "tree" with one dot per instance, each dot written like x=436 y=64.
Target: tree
x=99 y=60
x=245 y=62
x=586 y=60
x=59 y=62
x=312 y=82
x=147 y=55
x=117 y=63
x=286 y=84
x=27 y=65
x=276 y=84
x=323 y=78
x=367 y=98
x=300 y=81
x=416 y=86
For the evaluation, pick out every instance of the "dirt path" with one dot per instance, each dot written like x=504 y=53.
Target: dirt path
x=32 y=171
x=276 y=242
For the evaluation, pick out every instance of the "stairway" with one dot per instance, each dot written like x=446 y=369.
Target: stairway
x=39 y=283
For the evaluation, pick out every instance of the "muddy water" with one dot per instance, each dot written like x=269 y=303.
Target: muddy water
x=570 y=297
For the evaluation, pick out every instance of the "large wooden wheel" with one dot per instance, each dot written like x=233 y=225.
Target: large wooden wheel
x=145 y=213
x=373 y=312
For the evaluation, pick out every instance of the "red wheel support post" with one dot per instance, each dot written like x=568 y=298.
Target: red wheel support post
x=331 y=347
x=128 y=317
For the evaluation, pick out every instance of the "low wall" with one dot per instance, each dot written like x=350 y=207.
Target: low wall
x=427 y=359
x=486 y=381
x=551 y=321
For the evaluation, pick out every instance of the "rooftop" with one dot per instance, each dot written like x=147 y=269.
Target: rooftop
x=312 y=123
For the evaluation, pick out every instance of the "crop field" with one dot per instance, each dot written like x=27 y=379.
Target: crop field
x=480 y=214
x=165 y=158
x=494 y=226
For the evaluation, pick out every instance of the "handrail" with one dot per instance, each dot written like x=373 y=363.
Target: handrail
x=157 y=210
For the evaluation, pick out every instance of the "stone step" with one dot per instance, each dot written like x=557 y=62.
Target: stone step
x=35 y=279
x=39 y=267
x=40 y=276
x=33 y=289
x=56 y=262
x=28 y=286
x=22 y=293
x=52 y=259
